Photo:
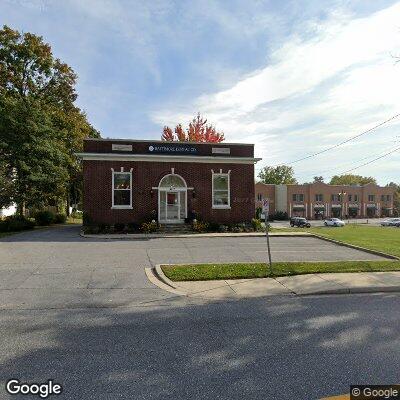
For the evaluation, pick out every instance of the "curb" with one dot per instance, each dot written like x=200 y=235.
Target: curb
x=162 y=277
x=352 y=246
x=190 y=235
x=355 y=290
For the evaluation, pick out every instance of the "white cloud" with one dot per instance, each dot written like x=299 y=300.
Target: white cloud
x=314 y=92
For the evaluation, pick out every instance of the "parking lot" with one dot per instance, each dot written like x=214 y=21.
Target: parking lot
x=58 y=268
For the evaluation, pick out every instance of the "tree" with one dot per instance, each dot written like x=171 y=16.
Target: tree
x=281 y=174
x=318 y=179
x=197 y=131
x=351 y=179
x=40 y=127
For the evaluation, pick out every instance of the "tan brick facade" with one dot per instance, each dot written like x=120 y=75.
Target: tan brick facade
x=319 y=200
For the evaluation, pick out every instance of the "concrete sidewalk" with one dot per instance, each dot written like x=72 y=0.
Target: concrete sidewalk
x=329 y=283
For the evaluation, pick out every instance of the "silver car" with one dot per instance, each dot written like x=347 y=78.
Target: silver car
x=390 y=222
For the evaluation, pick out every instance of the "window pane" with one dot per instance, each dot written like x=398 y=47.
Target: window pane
x=172 y=180
x=122 y=181
x=221 y=198
x=220 y=182
x=122 y=197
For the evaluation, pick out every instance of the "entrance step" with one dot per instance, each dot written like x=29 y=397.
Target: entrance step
x=176 y=228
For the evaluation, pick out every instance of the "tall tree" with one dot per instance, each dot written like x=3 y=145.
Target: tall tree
x=396 y=199
x=318 y=179
x=197 y=131
x=351 y=179
x=40 y=127
x=281 y=174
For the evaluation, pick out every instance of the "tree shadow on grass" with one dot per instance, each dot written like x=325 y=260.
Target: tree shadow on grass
x=277 y=348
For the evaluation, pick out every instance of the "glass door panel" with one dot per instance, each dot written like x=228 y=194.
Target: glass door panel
x=172 y=206
x=163 y=206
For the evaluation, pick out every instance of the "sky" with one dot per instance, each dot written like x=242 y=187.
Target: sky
x=292 y=77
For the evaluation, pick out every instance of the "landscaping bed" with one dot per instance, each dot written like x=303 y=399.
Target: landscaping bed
x=203 y=272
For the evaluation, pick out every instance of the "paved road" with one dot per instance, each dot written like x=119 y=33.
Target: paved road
x=57 y=268
x=81 y=312
x=276 y=348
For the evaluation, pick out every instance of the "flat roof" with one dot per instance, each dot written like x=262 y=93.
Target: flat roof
x=167 y=141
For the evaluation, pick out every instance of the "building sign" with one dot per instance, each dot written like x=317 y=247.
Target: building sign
x=169 y=148
x=221 y=150
x=122 y=147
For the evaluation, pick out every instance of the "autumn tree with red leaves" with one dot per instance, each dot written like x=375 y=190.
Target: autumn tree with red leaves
x=197 y=131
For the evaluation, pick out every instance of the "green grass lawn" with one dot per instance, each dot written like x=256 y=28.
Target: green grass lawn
x=204 y=272
x=386 y=239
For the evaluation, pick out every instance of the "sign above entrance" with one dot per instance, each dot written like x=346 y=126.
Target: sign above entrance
x=122 y=147
x=169 y=148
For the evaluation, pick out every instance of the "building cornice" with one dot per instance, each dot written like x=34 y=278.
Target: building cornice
x=166 y=158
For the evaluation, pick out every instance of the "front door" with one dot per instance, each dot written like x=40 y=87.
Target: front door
x=172 y=206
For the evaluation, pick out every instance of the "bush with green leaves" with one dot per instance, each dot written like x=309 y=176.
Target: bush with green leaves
x=60 y=219
x=119 y=227
x=257 y=225
x=149 y=227
x=16 y=223
x=44 y=217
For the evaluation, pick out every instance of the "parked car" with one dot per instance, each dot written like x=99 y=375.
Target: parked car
x=334 y=222
x=390 y=222
x=299 y=222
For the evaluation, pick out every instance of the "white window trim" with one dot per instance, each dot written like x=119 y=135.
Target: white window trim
x=224 y=206
x=121 y=207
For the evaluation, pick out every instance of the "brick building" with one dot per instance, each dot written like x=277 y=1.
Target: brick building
x=133 y=181
x=319 y=200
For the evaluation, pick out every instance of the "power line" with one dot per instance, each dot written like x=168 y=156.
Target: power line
x=370 y=162
x=344 y=141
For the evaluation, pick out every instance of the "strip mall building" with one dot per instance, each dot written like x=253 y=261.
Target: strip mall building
x=319 y=200
x=133 y=181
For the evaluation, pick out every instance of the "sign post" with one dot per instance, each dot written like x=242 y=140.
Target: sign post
x=266 y=213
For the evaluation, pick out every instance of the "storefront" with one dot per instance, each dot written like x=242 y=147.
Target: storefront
x=134 y=181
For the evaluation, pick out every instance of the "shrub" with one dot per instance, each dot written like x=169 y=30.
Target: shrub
x=77 y=214
x=16 y=223
x=223 y=228
x=87 y=219
x=44 y=217
x=256 y=224
x=213 y=227
x=104 y=228
x=60 y=219
x=149 y=227
x=91 y=229
x=119 y=227
x=133 y=227
x=258 y=212
x=199 y=226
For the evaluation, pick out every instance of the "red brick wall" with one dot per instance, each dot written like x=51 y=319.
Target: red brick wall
x=145 y=175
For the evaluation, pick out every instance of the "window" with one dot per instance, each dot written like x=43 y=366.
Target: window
x=371 y=197
x=298 y=197
x=319 y=197
x=356 y=197
x=220 y=191
x=122 y=190
x=385 y=197
x=350 y=197
x=335 y=197
x=259 y=197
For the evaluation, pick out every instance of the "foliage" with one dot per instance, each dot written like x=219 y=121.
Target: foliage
x=351 y=179
x=119 y=227
x=197 y=131
x=16 y=223
x=199 y=226
x=149 y=227
x=133 y=227
x=279 y=175
x=60 y=218
x=279 y=216
x=105 y=228
x=45 y=217
x=257 y=226
x=77 y=214
x=318 y=179
x=40 y=127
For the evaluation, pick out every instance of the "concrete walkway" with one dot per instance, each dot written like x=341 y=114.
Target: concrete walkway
x=330 y=283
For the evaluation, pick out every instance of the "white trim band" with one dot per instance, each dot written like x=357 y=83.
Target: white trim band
x=166 y=158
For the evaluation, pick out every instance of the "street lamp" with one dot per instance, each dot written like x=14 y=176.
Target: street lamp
x=341 y=197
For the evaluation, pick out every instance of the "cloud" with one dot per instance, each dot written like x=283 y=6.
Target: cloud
x=329 y=80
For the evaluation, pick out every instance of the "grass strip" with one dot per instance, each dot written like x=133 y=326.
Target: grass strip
x=204 y=272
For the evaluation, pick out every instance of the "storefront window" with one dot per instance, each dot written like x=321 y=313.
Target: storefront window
x=220 y=191
x=122 y=197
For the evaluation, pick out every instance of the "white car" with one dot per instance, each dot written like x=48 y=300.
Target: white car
x=334 y=222
x=390 y=222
